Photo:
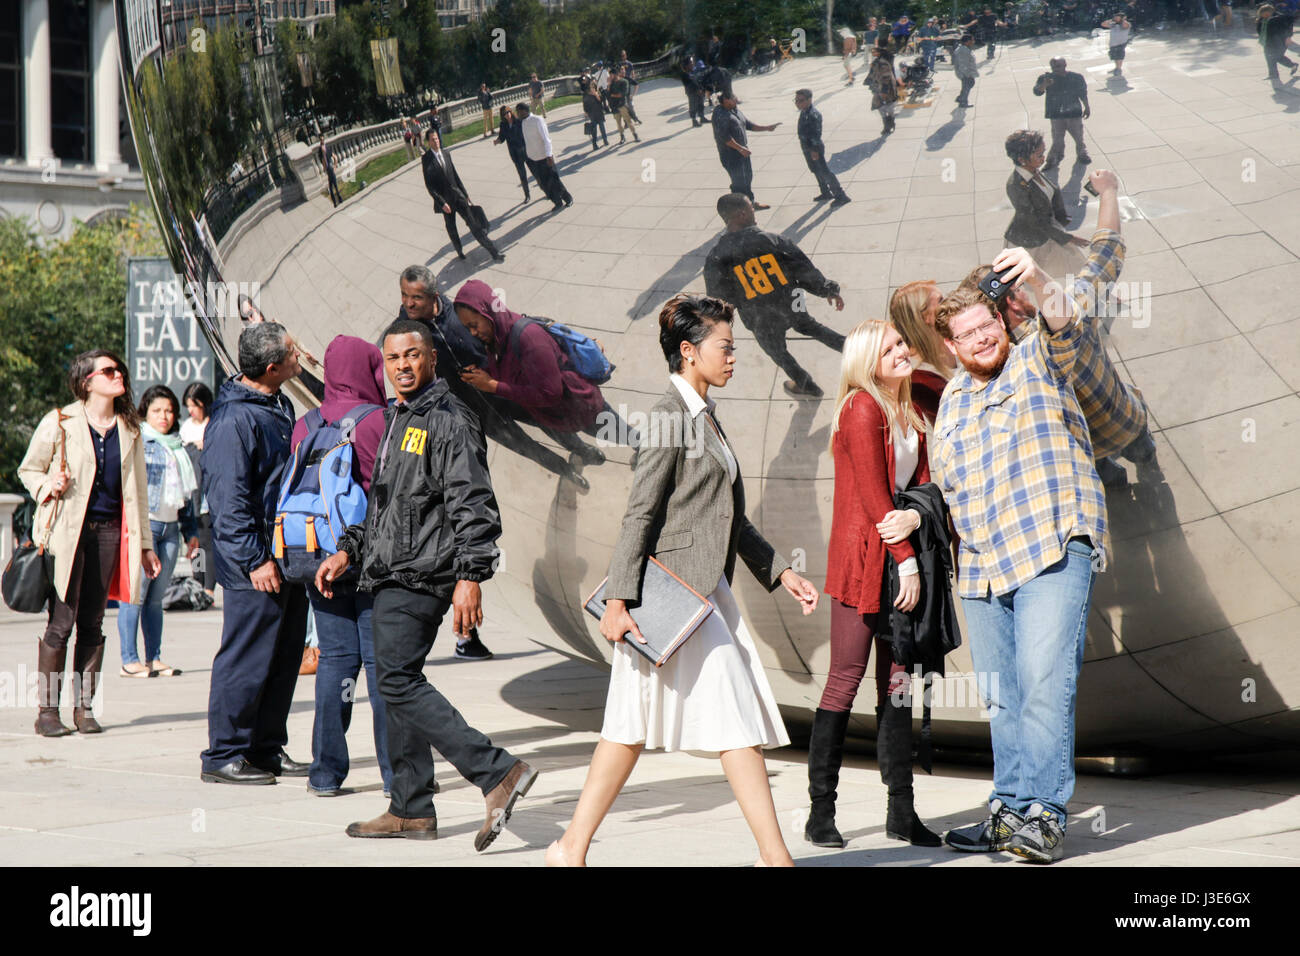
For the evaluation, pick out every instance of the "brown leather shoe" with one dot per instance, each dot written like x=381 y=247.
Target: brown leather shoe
x=85 y=721
x=500 y=802
x=49 y=725
x=387 y=825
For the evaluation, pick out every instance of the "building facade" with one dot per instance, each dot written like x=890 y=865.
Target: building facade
x=65 y=149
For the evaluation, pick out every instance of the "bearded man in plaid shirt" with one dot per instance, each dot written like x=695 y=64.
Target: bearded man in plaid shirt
x=1115 y=410
x=1013 y=456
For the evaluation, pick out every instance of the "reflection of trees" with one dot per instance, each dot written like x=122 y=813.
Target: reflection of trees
x=200 y=114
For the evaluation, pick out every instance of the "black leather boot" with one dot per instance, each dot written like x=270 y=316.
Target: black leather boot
x=825 y=753
x=87 y=664
x=49 y=665
x=894 y=754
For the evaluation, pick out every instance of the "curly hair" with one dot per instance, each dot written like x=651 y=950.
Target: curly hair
x=957 y=302
x=1022 y=144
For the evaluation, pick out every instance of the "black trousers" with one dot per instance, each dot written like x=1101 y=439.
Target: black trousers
x=522 y=169
x=405 y=624
x=695 y=104
x=967 y=84
x=83 y=603
x=460 y=208
x=549 y=180
x=825 y=178
x=770 y=329
x=254 y=674
x=741 y=171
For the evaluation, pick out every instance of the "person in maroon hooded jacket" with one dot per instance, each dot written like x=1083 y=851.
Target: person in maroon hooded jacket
x=527 y=369
x=354 y=388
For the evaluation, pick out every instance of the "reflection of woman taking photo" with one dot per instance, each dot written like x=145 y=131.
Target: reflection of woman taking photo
x=98 y=505
x=878 y=443
x=687 y=510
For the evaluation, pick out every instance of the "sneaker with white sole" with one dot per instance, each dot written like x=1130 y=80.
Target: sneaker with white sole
x=1041 y=839
x=990 y=836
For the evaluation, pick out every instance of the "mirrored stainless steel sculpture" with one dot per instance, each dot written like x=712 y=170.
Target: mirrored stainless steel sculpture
x=1192 y=636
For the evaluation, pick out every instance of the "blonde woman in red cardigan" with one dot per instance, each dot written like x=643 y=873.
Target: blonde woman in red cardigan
x=878 y=443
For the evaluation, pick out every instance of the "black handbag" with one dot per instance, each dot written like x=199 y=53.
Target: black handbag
x=28 y=580
x=586 y=128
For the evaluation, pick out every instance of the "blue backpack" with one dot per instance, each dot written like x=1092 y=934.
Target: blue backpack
x=320 y=495
x=586 y=357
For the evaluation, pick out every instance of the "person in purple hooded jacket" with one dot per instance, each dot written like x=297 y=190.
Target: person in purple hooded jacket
x=354 y=387
x=528 y=369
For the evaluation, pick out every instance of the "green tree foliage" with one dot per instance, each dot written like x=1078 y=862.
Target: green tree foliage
x=60 y=299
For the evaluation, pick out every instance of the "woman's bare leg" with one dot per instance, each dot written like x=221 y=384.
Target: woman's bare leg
x=611 y=765
x=747 y=774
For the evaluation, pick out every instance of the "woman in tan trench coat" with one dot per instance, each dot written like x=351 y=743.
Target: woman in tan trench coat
x=98 y=503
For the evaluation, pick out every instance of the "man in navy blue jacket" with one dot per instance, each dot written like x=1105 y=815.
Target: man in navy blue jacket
x=263 y=618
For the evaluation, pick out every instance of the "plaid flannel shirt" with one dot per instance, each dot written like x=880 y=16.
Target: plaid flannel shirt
x=1015 y=464
x=1115 y=411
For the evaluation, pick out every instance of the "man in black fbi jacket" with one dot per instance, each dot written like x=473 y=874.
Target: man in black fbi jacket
x=450 y=198
x=766 y=276
x=428 y=539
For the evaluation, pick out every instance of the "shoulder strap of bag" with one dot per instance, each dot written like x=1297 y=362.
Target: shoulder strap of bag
x=48 y=530
x=513 y=341
x=356 y=416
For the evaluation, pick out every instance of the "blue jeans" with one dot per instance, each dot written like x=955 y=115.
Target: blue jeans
x=148 y=611
x=346 y=645
x=928 y=53
x=1027 y=648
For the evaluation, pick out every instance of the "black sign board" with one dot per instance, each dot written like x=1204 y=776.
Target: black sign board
x=165 y=344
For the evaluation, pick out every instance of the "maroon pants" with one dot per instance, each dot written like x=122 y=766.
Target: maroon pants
x=92 y=574
x=851 y=640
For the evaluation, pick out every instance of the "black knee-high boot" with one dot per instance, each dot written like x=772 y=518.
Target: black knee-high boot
x=894 y=754
x=825 y=753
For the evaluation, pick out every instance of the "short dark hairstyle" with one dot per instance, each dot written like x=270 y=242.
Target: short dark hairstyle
x=1022 y=144
x=521 y=108
x=689 y=318
x=199 y=392
x=262 y=344
x=731 y=205
x=161 y=391
x=411 y=327
x=967 y=38
x=804 y=92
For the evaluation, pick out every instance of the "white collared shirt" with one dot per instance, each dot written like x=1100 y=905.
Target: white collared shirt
x=537 y=142
x=1038 y=180
x=696 y=404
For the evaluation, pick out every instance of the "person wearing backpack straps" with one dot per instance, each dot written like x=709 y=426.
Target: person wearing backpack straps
x=528 y=369
x=354 y=390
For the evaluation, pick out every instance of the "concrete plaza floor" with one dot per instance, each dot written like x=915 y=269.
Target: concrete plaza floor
x=132 y=796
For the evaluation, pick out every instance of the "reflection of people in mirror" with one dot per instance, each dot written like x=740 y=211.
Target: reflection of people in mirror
x=527 y=369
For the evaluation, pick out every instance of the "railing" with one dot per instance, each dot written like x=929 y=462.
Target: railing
x=228 y=201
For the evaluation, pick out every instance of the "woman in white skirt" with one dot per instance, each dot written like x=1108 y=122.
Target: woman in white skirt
x=687 y=509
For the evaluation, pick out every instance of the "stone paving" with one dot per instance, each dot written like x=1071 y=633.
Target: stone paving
x=132 y=797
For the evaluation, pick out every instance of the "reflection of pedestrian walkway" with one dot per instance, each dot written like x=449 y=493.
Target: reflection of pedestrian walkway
x=129 y=797
x=1211 y=186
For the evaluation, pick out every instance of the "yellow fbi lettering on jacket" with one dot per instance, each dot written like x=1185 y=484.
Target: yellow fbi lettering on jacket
x=414 y=440
x=754 y=275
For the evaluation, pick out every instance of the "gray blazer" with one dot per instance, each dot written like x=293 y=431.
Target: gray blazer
x=685 y=511
x=1037 y=217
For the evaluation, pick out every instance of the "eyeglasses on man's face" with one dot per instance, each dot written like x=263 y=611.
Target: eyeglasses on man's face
x=988 y=325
